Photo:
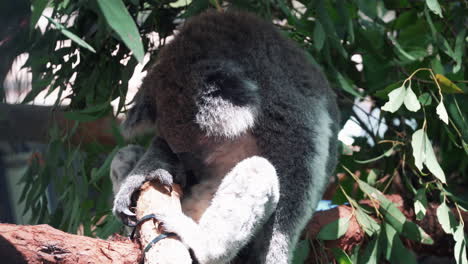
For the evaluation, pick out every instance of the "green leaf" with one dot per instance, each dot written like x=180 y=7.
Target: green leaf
x=367 y=223
x=341 y=257
x=346 y=85
x=459 y=50
x=319 y=36
x=446 y=85
x=420 y=204
x=401 y=51
x=399 y=96
x=103 y=171
x=446 y=218
x=442 y=112
x=301 y=252
x=460 y=245
x=369 y=256
x=118 y=18
x=89 y=114
x=411 y=101
x=418 y=144
x=425 y=99
x=70 y=35
x=387 y=153
x=395 y=99
x=395 y=217
x=383 y=94
x=334 y=230
x=37 y=8
x=398 y=252
x=424 y=154
x=434 y=7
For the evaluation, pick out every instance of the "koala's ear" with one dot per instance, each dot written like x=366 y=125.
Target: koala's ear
x=226 y=80
x=141 y=118
x=232 y=86
x=228 y=101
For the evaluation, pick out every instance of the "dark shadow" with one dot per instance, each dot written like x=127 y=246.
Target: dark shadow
x=9 y=254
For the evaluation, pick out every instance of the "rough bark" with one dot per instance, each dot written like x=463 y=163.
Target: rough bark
x=44 y=244
x=354 y=236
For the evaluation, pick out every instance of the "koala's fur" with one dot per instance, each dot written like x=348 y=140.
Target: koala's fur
x=247 y=125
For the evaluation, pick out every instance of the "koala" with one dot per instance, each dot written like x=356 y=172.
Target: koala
x=247 y=125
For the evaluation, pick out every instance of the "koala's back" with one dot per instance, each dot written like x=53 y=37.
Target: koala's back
x=296 y=122
x=297 y=107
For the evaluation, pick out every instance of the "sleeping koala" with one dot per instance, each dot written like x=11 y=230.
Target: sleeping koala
x=247 y=125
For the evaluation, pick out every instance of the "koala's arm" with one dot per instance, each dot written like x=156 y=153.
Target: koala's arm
x=244 y=201
x=157 y=163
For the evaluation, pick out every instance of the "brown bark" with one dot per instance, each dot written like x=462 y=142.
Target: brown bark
x=443 y=243
x=44 y=244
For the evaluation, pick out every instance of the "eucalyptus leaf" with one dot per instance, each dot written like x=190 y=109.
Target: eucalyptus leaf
x=420 y=204
x=70 y=35
x=446 y=85
x=399 y=253
x=395 y=99
x=341 y=257
x=319 y=36
x=425 y=99
x=395 y=217
x=442 y=112
x=431 y=161
x=369 y=256
x=367 y=223
x=37 y=7
x=459 y=50
x=334 y=230
x=460 y=245
x=387 y=153
x=411 y=101
x=301 y=252
x=424 y=154
x=446 y=218
x=434 y=7
x=346 y=85
x=419 y=151
x=118 y=18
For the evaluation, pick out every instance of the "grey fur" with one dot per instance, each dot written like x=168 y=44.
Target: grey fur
x=239 y=105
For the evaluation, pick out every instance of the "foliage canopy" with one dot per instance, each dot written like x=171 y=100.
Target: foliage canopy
x=403 y=61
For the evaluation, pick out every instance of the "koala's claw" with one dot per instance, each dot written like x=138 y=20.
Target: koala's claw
x=129 y=213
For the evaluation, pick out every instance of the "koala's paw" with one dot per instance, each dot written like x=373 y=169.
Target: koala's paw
x=162 y=176
x=172 y=222
x=123 y=199
x=122 y=203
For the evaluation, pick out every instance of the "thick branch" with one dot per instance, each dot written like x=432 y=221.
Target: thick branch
x=156 y=198
x=443 y=243
x=44 y=244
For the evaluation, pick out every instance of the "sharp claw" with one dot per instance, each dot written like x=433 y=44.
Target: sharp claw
x=127 y=212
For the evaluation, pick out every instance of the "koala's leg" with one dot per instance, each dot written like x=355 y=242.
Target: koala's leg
x=157 y=163
x=245 y=199
x=123 y=162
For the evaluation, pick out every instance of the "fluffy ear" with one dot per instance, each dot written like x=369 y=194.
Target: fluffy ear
x=141 y=118
x=227 y=102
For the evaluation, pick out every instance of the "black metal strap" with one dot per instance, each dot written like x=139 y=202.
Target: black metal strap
x=157 y=239
x=139 y=222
